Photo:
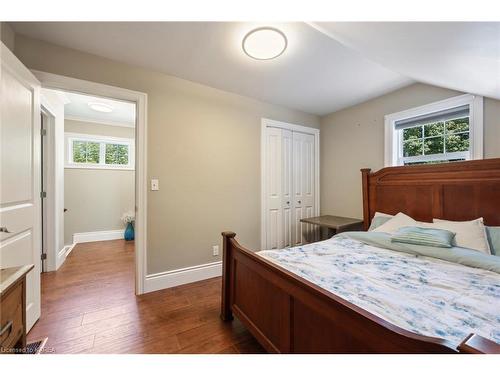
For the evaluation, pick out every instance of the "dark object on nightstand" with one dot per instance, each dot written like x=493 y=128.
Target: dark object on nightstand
x=331 y=225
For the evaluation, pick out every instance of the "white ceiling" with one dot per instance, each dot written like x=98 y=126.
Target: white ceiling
x=316 y=74
x=463 y=56
x=77 y=108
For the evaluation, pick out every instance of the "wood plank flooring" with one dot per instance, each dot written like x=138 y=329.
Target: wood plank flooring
x=89 y=306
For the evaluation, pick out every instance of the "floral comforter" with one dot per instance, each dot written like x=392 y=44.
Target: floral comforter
x=421 y=294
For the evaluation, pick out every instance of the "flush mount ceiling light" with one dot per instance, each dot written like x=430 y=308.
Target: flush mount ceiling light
x=264 y=43
x=101 y=107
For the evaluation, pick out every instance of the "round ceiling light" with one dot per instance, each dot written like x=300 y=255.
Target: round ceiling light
x=264 y=43
x=101 y=107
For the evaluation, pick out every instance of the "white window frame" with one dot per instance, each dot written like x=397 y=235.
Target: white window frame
x=102 y=140
x=393 y=142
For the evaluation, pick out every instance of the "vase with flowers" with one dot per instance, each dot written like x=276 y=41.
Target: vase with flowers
x=128 y=219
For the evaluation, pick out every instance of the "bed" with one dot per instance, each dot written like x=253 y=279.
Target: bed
x=289 y=302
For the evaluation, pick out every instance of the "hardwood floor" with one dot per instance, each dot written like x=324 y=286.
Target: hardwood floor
x=89 y=306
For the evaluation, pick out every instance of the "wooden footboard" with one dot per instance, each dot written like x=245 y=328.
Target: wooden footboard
x=288 y=314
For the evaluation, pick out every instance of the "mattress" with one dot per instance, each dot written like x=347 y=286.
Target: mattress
x=422 y=294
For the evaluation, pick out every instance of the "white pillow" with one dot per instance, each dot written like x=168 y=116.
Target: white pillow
x=378 y=219
x=398 y=221
x=469 y=234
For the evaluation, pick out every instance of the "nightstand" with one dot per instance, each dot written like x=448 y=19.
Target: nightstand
x=331 y=225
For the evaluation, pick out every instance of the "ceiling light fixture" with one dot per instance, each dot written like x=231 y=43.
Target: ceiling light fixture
x=101 y=107
x=264 y=43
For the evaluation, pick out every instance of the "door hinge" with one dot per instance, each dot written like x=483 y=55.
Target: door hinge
x=43 y=132
x=43 y=256
x=43 y=194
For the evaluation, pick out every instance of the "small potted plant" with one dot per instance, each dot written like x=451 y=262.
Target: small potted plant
x=128 y=219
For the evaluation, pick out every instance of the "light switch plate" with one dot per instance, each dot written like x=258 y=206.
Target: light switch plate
x=155 y=184
x=215 y=250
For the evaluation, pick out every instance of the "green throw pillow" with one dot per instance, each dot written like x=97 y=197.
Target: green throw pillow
x=378 y=221
x=424 y=236
x=493 y=234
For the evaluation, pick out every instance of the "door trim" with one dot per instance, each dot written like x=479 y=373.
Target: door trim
x=51 y=107
x=268 y=123
x=55 y=81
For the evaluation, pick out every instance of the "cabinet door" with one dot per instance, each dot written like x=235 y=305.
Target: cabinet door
x=303 y=185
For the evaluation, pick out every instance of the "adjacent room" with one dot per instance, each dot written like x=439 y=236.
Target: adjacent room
x=99 y=179
x=244 y=187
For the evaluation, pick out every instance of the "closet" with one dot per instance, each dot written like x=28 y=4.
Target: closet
x=290 y=191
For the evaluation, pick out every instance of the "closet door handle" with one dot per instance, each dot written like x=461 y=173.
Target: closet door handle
x=287 y=202
x=299 y=202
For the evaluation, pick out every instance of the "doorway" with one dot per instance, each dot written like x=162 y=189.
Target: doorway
x=99 y=169
x=129 y=153
x=21 y=214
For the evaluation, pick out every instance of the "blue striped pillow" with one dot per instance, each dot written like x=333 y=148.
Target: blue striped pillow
x=493 y=234
x=424 y=236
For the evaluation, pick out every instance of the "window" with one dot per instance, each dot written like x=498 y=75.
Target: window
x=116 y=154
x=90 y=151
x=445 y=131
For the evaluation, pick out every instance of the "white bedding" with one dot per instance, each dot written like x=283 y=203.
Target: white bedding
x=424 y=295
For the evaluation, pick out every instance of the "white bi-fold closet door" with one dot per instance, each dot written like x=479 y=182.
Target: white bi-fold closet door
x=290 y=184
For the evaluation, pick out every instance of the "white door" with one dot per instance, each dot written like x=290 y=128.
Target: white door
x=274 y=214
x=303 y=185
x=20 y=216
x=289 y=187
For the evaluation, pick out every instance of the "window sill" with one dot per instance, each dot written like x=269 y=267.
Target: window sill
x=104 y=167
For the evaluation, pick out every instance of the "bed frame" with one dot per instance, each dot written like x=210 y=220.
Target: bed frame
x=288 y=314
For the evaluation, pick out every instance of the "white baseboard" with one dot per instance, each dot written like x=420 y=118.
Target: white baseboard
x=104 y=235
x=62 y=254
x=69 y=248
x=181 y=276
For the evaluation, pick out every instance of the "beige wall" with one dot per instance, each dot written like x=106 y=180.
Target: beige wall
x=204 y=146
x=353 y=138
x=96 y=198
x=84 y=127
x=7 y=35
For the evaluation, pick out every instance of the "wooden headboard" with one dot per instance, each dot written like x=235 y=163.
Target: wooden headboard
x=453 y=191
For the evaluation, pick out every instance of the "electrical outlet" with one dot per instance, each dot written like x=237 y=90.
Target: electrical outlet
x=215 y=250
x=155 y=184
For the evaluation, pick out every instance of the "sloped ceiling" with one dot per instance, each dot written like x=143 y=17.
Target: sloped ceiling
x=463 y=56
x=316 y=74
x=327 y=66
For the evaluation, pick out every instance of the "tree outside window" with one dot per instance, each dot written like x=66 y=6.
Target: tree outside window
x=116 y=154
x=436 y=138
x=99 y=152
x=86 y=152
